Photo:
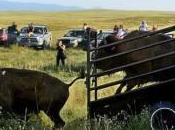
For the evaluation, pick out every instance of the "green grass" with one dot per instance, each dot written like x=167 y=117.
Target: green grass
x=59 y=23
x=42 y=122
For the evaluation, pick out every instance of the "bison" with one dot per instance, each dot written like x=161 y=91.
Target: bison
x=138 y=56
x=30 y=90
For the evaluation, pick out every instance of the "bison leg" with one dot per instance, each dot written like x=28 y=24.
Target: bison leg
x=130 y=86
x=54 y=114
x=120 y=88
x=123 y=84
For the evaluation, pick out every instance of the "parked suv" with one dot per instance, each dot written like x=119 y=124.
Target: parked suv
x=74 y=38
x=3 y=36
x=101 y=36
x=39 y=38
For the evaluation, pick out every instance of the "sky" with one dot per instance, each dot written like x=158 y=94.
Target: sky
x=164 y=5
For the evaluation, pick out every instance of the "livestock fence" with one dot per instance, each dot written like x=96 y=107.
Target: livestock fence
x=93 y=74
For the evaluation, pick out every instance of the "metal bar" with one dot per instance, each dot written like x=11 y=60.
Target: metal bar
x=88 y=74
x=132 y=78
x=95 y=71
x=132 y=91
x=165 y=30
x=131 y=64
x=133 y=50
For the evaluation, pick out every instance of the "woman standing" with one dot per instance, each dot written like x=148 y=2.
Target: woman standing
x=143 y=26
x=60 y=53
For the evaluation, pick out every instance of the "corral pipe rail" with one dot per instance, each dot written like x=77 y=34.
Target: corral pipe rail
x=133 y=50
x=165 y=30
x=132 y=78
x=88 y=79
x=172 y=80
x=96 y=74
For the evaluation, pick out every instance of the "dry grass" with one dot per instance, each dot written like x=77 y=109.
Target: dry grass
x=59 y=23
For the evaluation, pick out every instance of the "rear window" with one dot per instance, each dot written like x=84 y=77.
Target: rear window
x=38 y=30
x=103 y=35
x=75 y=34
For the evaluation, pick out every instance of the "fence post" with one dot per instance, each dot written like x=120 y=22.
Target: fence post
x=95 y=69
x=88 y=73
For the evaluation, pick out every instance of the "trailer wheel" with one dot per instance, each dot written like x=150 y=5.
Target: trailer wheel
x=163 y=116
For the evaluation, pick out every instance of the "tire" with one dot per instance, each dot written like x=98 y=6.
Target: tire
x=162 y=116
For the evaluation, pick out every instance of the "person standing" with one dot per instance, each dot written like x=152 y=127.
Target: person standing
x=30 y=28
x=60 y=53
x=121 y=33
x=115 y=29
x=85 y=26
x=154 y=28
x=13 y=28
x=143 y=26
x=12 y=33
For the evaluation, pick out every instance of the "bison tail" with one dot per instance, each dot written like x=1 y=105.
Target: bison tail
x=82 y=76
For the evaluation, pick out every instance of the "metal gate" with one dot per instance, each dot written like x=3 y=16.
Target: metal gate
x=92 y=74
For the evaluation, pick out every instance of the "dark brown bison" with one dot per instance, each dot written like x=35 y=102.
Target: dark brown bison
x=22 y=90
x=138 y=56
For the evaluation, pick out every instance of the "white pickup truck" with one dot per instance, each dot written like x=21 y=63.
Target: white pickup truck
x=39 y=38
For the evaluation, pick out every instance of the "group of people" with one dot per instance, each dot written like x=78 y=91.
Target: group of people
x=13 y=32
x=13 y=28
x=144 y=27
x=119 y=31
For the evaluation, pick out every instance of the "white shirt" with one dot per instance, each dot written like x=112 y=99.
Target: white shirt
x=143 y=27
x=120 y=34
x=85 y=27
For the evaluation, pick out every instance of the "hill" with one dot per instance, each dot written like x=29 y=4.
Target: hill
x=8 y=5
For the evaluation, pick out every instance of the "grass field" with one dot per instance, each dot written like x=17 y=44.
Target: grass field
x=59 y=23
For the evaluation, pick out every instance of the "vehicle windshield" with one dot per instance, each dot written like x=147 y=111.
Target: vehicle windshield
x=102 y=35
x=24 y=30
x=38 y=30
x=75 y=34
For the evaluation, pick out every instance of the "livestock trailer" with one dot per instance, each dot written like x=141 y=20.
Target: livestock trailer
x=158 y=94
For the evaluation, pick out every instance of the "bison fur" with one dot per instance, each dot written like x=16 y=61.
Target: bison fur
x=22 y=89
